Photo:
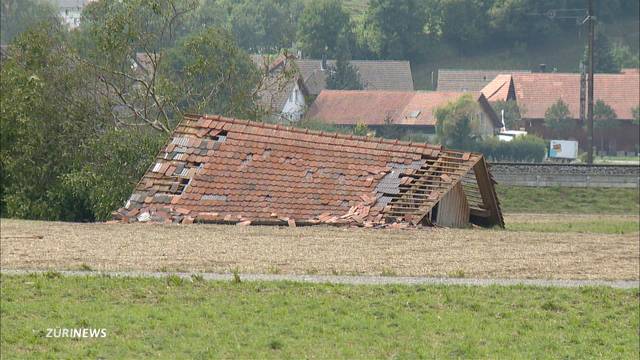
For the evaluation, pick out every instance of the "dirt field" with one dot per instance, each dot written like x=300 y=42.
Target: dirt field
x=323 y=250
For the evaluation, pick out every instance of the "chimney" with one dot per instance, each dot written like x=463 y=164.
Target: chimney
x=323 y=64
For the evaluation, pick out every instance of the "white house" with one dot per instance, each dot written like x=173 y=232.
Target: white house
x=70 y=11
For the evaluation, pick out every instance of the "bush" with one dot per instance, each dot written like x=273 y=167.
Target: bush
x=526 y=148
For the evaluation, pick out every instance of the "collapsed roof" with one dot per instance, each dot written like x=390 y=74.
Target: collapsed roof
x=221 y=170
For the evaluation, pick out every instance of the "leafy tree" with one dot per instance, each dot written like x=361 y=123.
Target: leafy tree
x=604 y=118
x=457 y=123
x=465 y=22
x=263 y=25
x=208 y=73
x=636 y=115
x=16 y=16
x=394 y=29
x=322 y=24
x=344 y=76
x=511 y=20
x=48 y=115
x=624 y=57
x=512 y=114
x=603 y=56
x=558 y=119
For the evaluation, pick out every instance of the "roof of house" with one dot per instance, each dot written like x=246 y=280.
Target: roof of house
x=350 y=107
x=468 y=80
x=536 y=92
x=215 y=169
x=374 y=74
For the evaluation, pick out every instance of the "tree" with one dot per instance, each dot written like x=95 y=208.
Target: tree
x=511 y=20
x=624 y=57
x=394 y=29
x=47 y=115
x=604 y=118
x=512 y=115
x=465 y=22
x=263 y=25
x=558 y=119
x=457 y=123
x=207 y=73
x=636 y=115
x=603 y=56
x=16 y=16
x=322 y=24
x=344 y=76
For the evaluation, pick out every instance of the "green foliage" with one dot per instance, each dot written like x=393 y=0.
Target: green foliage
x=558 y=119
x=19 y=15
x=47 y=115
x=361 y=129
x=636 y=115
x=512 y=114
x=457 y=123
x=604 y=117
x=263 y=25
x=344 y=76
x=604 y=60
x=207 y=73
x=624 y=57
x=393 y=29
x=528 y=148
x=322 y=26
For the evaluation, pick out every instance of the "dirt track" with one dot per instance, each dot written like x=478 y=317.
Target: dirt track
x=321 y=250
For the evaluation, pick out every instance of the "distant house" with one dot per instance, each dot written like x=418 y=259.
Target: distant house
x=413 y=110
x=536 y=92
x=469 y=80
x=70 y=11
x=374 y=74
x=291 y=84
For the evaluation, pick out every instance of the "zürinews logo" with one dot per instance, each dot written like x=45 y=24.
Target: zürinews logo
x=76 y=333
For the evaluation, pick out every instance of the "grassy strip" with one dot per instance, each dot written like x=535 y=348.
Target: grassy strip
x=169 y=317
x=617 y=227
x=569 y=200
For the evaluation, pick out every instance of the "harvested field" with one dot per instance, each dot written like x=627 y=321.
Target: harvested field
x=322 y=250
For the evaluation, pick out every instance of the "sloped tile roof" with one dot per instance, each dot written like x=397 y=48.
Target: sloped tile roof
x=349 y=107
x=375 y=74
x=225 y=170
x=468 y=80
x=536 y=92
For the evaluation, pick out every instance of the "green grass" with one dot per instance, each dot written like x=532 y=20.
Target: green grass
x=164 y=318
x=588 y=226
x=569 y=200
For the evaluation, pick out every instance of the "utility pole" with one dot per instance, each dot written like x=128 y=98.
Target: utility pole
x=591 y=20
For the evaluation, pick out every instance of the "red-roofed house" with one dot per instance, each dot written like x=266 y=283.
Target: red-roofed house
x=536 y=92
x=414 y=110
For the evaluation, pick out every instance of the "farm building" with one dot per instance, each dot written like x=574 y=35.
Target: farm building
x=468 y=80
x=291 y=84
x=536 y=92
x=221 y=170
x=411 y=110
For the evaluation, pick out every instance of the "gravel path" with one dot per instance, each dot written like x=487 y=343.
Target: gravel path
x=351 y=280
